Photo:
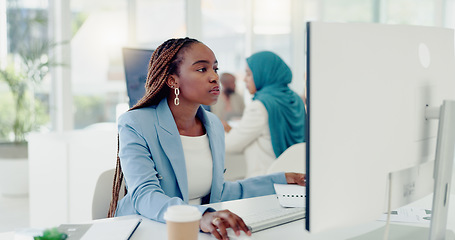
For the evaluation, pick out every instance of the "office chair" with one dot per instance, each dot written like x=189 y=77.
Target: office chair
x=103 y=194
x=291 y=160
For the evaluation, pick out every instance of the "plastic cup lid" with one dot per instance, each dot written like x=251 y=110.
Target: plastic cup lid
x=182 y=213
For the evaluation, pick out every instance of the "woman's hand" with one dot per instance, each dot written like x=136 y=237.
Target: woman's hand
x=295 y=178
x=217 y=222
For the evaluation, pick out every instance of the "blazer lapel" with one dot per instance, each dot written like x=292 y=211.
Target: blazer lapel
x=172 y=145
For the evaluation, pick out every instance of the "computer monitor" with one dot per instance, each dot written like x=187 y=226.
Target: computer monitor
x=135 y=62
x=369 y=87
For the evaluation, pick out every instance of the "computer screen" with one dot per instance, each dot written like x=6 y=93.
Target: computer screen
x=135 y=62
x=368 y=89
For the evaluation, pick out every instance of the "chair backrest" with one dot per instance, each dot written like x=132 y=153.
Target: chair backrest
x=291 y=160
x=103 y=194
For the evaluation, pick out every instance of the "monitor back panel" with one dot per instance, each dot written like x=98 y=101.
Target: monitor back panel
x=367 y=89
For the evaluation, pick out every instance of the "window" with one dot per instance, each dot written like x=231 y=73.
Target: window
x=224 y=31
x=96 y=68
x=347 y=10
x=411 y=12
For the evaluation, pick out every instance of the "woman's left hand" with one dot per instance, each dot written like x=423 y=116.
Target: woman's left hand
x=295 y=178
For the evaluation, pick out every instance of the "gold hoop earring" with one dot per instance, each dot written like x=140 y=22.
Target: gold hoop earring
x=176 y=99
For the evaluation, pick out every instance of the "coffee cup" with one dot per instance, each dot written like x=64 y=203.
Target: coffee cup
x=182 y=222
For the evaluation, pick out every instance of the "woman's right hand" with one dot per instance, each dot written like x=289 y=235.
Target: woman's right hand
x=218 y=222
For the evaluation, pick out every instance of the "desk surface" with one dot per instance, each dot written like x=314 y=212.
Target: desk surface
x=294 y=230
x=158 y=230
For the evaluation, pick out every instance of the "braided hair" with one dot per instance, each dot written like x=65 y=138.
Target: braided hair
x=165 y=61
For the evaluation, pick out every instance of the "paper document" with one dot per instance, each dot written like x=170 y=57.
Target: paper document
x=290 y=195
x=74 y=231
x=408 y=215
x=121 y=229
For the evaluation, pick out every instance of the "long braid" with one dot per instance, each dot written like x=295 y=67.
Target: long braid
x=118 y=179
x=164 y=61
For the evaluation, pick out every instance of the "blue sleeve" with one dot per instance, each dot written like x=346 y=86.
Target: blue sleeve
x=252 y=187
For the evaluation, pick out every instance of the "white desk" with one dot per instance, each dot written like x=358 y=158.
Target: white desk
x=295 y=230
x=158 y=230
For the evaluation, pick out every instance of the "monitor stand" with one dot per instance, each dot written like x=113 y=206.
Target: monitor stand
x=443 y=167
x=445 y=150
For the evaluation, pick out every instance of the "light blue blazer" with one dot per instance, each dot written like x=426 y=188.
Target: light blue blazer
x=153 y=164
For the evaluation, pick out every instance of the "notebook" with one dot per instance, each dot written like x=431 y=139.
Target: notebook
x=290 y=195
x=112 y=230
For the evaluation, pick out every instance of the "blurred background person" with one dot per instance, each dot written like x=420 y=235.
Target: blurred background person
x=230 y=104
x=273 y=121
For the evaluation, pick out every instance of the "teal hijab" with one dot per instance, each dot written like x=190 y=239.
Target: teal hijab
x=285 y=108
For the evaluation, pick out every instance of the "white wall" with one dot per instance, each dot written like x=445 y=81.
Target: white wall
x=64 y=168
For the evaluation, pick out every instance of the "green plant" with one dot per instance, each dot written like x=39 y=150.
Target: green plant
x=22 y=112
x=27 y=66
x=6 y=119
x=52 y=234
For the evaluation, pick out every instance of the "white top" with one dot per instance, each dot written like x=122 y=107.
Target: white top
x=252 y=137
x=198 y=160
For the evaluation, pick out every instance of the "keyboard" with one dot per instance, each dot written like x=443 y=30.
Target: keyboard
x=273 y=217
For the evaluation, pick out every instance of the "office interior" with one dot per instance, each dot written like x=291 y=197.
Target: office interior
x=82 y=98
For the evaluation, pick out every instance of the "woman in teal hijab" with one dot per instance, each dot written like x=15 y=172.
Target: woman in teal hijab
x=273 y=121
x=285 y=108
